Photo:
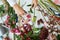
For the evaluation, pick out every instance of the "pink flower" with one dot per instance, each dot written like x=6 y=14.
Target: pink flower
x=15 y=30
x=8 y=17
x=56 y=2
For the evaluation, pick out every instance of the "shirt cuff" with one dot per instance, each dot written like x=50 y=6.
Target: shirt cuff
x=12 y=2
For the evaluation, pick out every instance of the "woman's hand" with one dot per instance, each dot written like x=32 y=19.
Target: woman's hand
x=19 y=10
x=34 y=3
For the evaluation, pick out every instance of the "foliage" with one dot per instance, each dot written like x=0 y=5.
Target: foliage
x=58 y=37
x=29 y=33
x=2 y=11
x=52 y=8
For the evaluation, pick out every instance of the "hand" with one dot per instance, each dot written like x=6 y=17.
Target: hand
x=19 y=10
x=34 y=3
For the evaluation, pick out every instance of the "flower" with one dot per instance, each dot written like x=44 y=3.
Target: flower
x=27 y=28
x=8 y=17
x=28 y=16
x=28 y=38
x=43 y=33
x=15 y=30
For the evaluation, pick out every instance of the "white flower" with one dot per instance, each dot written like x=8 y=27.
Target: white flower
x=55 y=33
x=49 y=30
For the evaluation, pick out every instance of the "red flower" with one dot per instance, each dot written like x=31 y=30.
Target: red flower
x=28 y=38
x=15 y=30
x=40 y=21
x=27 y=28
x=43 y=33
x=28 y=16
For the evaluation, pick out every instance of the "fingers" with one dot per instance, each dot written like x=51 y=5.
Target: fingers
x=34 y=3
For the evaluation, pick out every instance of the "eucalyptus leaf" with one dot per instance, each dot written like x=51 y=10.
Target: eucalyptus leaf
x=58 y=37
x=34 y=19
x=30 y=33
x=29 y=5
x=31 y=10
x=53 y=5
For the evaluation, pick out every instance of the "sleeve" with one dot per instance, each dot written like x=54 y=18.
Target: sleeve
x=12 y=2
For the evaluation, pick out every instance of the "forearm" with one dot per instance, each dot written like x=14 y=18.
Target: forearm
x=20 y=11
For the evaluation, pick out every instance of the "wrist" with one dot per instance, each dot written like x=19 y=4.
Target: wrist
x=19 y=10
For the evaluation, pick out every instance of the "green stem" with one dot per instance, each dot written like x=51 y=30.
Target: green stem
x=53 y=5
x=19 y=2
x=34 y=11
x=44 y=6
x=14 y=36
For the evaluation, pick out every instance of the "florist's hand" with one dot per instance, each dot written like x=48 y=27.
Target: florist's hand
x=34 y=3
x=19 y=10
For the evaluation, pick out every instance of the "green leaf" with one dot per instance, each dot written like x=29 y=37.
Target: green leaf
x=29 y=33
x=34 y=19
x=31 y=10
x=29 y=5
x=35 y=37
x=58 y=37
